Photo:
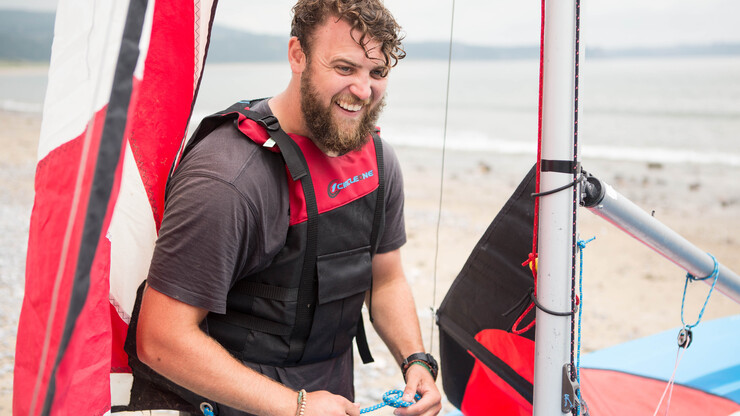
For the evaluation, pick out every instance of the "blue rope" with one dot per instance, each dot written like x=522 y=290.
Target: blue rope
x=391 y=398
x=690 y=277
x=581 y=246
x=206 y=409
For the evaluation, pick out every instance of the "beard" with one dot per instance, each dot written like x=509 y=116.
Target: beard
x=328 y=133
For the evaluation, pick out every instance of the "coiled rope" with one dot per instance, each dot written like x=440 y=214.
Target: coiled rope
x=391 y=398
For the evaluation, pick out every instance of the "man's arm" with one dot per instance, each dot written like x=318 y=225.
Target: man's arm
x=170 y=341
x=395 y=320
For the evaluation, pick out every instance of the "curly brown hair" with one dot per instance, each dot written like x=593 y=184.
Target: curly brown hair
x=369 y=18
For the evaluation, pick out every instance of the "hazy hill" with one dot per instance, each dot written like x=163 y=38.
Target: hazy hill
x=232 y=45
x=27 y=37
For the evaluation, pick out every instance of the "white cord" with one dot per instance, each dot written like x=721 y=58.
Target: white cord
x=669 y=386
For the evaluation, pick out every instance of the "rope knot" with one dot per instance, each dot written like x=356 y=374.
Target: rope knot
x=531 y=258
x=391 y=398
x=582 y=244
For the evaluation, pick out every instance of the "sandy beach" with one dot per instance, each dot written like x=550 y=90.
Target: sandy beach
x=629 y=291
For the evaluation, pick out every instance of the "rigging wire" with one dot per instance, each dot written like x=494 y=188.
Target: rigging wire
x=669 y=386
x=442 y=176
x=576 y=189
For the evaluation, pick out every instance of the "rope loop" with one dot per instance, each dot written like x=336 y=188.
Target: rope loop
x=714 y=273
x=391 y=398
x=558 y=189
x=690 y=277
x=549 y=311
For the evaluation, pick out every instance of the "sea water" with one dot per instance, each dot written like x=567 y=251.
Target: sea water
x=666 y=110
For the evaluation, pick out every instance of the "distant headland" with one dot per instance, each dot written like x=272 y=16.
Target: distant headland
x=26 y=37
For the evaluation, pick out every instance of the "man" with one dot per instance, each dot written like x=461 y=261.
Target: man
x=243 y=308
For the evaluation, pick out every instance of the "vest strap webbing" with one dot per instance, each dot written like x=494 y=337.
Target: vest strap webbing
x=210 y=123
x=363 y=347
x=288 y=148
x=254 y=323
x=265 y=291
x=307 y=290
x=379 y=219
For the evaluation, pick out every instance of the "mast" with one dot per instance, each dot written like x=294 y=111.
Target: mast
x=556 y=211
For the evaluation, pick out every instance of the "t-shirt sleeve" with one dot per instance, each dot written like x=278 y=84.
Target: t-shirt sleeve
x=198 y=254
x=394 y=233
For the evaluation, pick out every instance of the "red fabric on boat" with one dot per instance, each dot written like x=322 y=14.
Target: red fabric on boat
x=486 y=393
x=609 y=392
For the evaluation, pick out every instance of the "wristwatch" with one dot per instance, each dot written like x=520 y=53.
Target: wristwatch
x=421 y=358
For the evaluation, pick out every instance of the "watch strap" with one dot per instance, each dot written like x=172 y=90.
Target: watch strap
x=424 y=359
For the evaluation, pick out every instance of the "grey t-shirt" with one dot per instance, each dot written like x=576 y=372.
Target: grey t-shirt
x=227 y=216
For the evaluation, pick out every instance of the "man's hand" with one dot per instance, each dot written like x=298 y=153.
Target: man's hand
x=420 y=381
x=323 y=403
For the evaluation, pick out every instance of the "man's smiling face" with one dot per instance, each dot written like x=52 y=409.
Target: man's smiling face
x=342 y=88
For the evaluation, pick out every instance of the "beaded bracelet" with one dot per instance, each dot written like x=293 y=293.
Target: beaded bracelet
x=422 y=363
x=301 y=403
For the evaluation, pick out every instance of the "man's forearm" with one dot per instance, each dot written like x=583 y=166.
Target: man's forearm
x=396 y=322
x=165 y=342
x=393 y=308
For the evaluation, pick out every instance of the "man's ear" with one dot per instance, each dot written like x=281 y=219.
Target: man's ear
x=296 y=56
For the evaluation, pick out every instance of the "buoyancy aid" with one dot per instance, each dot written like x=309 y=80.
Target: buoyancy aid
x=306 y=306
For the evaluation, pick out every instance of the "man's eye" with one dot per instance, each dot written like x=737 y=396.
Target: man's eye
x=344 y=69
x=379 y=73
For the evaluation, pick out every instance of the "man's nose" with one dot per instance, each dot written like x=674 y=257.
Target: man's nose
x=362 y=87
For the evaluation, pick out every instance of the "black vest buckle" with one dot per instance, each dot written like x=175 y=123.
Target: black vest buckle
x=269 y=122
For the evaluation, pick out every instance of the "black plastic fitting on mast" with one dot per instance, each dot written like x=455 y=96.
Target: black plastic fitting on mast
x=592 y=191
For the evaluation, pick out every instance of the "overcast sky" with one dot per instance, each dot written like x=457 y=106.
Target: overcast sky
x=605 y=23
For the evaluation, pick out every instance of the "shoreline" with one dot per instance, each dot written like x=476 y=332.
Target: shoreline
x=629 y=291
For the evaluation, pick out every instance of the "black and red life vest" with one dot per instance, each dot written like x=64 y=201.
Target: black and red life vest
x=306 y=306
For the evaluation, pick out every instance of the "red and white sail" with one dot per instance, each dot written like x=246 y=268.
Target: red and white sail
x=122 y=80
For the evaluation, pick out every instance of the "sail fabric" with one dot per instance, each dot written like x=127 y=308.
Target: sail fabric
x=614 y=393
x=480 y=357
x=122 y=79
x=486 y=392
